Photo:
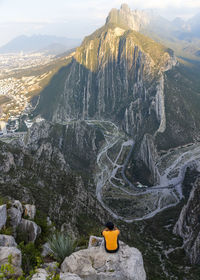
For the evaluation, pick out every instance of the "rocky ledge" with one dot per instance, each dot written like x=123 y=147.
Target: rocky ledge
x=95 y=263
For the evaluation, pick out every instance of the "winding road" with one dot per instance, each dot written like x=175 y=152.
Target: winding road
x=111 y=173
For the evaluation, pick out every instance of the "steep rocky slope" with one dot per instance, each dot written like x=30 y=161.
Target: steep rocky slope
x=116 y=74
x=53 y=170
x=188 y=226
x=121 y=75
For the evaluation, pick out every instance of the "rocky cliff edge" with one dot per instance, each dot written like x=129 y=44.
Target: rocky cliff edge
x=95 y=263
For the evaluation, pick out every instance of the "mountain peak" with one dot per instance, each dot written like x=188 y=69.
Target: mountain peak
x=125 y=8
x=126 y=18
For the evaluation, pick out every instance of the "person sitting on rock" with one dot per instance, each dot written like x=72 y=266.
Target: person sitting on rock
x=110 y=234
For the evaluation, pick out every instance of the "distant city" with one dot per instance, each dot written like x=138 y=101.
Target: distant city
x=17 y=86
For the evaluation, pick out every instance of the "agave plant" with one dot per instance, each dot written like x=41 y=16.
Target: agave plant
x=61 y=245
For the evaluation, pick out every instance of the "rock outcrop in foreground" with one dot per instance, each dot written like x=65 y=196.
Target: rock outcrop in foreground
x=96 y=263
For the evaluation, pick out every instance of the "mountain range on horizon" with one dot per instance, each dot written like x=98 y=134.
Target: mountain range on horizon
x=171 y=33
x=40 y=43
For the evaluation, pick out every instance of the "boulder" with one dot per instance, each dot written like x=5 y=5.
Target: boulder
x=51 y=267
x=95 y=241
x=96 y=263
x=30 y=211
x=15 y=217
x=17 y=204
x=7 y=241
x=46 y=250
x=30 y=229
x=3 y=215
x=41 y=274
x=69 y=276
x=6 y=252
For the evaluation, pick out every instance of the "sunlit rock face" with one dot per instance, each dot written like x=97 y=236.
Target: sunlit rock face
x=120 y=75
x=134 y=20
x=188 y=226
x=116 y=74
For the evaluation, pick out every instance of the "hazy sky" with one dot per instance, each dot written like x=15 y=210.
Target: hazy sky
x=75 y=18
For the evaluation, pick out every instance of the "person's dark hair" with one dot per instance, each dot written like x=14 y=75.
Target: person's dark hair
x=109 y=225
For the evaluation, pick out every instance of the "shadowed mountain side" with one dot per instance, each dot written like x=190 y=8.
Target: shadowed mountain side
x=127 y=78
x=81 y=97
x=182 y=103
x=116 y=75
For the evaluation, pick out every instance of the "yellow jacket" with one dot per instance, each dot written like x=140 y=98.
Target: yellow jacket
x=111 y=239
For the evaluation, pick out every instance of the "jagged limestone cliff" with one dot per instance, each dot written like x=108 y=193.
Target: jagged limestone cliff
x=121 y=75
x=116 y=74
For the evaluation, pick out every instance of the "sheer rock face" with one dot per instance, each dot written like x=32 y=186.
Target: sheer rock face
x=96 y=263
x=147 y=154
x=116 y=74
x=134 y=20
x=188 y=225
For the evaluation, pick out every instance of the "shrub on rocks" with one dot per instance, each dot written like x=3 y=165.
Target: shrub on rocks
x=61 y=245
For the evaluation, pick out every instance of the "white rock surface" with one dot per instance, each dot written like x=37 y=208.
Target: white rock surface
x=41 y=274
x=5 y=252
x=17 y=204
x=7 y=241
x=30 y=211
x=46 y=249
x=95 y=241
x=3 y=215
x=15 y=217
x=30 y=228
x=51 y=267
x=96 y=263
x=69 y=276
